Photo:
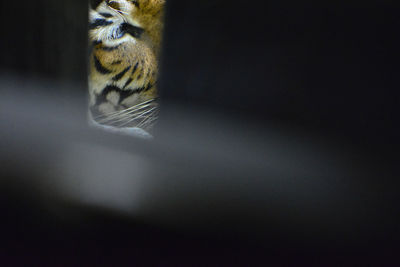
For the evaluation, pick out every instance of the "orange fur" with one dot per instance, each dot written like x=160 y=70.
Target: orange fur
x=139 y=55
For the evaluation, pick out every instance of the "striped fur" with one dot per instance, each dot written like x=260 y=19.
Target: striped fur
x=125 y=37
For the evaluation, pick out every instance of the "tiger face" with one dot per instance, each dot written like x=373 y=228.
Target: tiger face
x=138 y=17
x=126 y=38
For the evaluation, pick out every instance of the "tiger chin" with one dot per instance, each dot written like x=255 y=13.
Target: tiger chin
x=125 y=39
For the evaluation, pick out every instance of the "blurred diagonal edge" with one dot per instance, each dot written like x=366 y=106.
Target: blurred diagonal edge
x=203 y=170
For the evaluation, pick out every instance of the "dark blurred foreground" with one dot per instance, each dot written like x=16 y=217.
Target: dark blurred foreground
x=277 y=142
x=209 y=188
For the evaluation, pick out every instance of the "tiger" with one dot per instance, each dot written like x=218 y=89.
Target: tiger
x=125 y=39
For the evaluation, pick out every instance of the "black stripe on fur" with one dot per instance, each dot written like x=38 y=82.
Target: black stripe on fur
x=99 y=23
x=121 y=74
x=100 y=68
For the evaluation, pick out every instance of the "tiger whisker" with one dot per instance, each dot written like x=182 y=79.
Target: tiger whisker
x=123 y=114
x=147 y=121
x=118 y=119
x=151 y=111
x=135 y=107
x=138 y=117
x=142 y=103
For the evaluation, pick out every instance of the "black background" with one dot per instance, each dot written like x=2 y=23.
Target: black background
x=327 y=66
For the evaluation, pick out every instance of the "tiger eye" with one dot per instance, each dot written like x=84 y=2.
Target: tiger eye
x=113 y=4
